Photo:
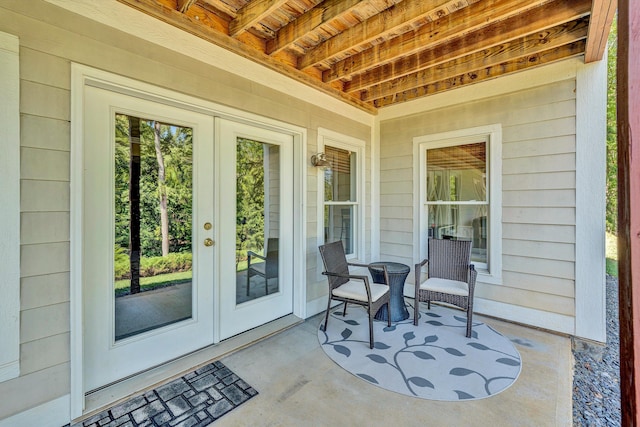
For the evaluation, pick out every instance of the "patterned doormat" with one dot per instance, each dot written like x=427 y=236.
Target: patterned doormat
x=196 y=399
x=433 y=360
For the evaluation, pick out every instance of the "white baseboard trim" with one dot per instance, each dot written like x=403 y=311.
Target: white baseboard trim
x=514 y=313
x=54 y=413
x=317 y=305
x=527 y=316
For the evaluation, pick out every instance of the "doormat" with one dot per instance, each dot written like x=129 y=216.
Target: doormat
x=433 y=360
x=196 y=399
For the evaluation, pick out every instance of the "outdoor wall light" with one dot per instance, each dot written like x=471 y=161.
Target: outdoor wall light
x=320 y=161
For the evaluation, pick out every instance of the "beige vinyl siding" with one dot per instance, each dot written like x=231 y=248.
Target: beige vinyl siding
x=50 y=39
x=44 y=233
x=538 y=190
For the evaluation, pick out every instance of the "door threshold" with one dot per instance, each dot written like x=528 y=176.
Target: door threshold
x=113 y=394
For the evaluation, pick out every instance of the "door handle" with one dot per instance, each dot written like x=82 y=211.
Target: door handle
x=208 y=242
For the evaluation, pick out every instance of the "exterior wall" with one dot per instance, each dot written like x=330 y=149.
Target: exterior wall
x=538 y=191
x=46 y=53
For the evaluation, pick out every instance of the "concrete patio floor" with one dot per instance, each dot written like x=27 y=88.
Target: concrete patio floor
x=299 y=385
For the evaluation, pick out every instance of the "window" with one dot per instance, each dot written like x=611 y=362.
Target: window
x=460 y=194
x=340 y=195
x=456 y=195
x=340 y=191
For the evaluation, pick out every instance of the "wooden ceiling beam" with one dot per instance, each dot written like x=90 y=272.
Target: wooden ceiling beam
x=183 y=22
x=406 y=13
x=528 y=46
x=495 y=34
x=460 y=26
x=184 y=5
x=322 y=14
x=197 y=14
x=489 y=73
x=252 y=13
x=602 y=14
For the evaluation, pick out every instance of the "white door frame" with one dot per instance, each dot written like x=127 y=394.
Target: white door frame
x=82 y=76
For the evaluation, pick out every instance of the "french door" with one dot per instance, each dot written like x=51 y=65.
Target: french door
x=186 y=235
x=255 y=187
x=148 y=268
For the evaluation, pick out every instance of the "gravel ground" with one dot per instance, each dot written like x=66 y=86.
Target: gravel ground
x=596 y=384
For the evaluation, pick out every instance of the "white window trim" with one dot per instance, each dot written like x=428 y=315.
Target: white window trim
x=493 y=135
x=10 y=207
x=338 y=140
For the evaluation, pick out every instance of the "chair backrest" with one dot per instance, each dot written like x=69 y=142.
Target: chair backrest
x=449 y=259
x=271 y=267
x=335 y=261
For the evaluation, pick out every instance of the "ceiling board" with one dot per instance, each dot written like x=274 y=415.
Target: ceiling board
x=377 y=53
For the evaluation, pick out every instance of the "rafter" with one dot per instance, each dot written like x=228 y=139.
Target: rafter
x=477 y=42
x=184 y=5
x=489 y=73
x=324 y=13
x=409 y=12
x=372 y=53
x=602 y=13
x=252 y=13
x=434 y=36
x=183 y=22
x=528 y=46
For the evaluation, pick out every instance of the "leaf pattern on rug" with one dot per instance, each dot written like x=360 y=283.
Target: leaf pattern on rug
x=433 y=360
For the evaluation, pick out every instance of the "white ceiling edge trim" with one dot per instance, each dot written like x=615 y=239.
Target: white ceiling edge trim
x=540 y=76
x=128 y=20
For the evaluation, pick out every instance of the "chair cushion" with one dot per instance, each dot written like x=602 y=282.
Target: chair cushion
x=446 y=286
x=355 y=289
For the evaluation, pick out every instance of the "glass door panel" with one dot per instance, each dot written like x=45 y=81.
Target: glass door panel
x=257 y=219
x=153 y=217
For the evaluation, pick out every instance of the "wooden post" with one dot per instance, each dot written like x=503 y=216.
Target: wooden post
x=628 y=88
x=134 y=204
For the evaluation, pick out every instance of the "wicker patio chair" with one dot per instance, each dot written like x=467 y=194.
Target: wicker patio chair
x=352 y=289
x=450 y=278
x=268 y=269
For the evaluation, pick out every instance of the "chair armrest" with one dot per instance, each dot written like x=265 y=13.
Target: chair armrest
x=252 y=254
x=473 y=274
x=422 y=263
x=346 y=276
x=418 y=269
x=356 y=264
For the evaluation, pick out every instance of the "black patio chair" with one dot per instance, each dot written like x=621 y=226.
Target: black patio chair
x=450 y=278
x=268 y=269
x=350 y=288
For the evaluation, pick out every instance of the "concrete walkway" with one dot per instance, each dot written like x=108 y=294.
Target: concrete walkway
x=148 y=310
x=299 y=385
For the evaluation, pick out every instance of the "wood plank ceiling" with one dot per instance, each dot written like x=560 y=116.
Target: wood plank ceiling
x=377 y=53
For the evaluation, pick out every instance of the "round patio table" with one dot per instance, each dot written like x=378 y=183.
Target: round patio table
x=397 y=275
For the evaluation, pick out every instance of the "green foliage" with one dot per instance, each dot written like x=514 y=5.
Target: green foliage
x=152 y=266
x=612 y=267
x=249 y=198
x=177 y=150
x=154 y=282
x=611 y=254
x=612 y=152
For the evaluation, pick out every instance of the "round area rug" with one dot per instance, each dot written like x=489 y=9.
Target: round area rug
x=433 y=360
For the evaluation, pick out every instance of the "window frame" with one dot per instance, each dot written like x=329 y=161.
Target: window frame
x=334 y=139
x=491 y=272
